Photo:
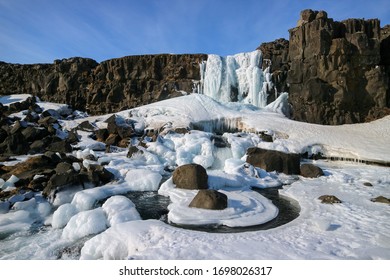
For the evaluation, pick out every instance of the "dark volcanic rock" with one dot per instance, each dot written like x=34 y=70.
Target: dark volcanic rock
x=271 y=160
x=14 y=144
x=60 y=146
x=337 y=74
x=107 y=87
x=190 y=176
x=275 y=56
x=210 y=199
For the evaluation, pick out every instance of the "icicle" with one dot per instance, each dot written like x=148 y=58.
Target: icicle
x=242 y=72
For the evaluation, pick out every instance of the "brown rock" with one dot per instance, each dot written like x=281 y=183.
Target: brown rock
x=190 y=176
x=329 y=199
x=311 y=171
x=381 y=199
x=271 y=160
x=210 y=199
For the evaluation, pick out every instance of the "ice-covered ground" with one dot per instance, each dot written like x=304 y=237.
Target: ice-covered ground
x=355 y=229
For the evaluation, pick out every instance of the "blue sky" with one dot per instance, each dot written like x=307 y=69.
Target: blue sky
x=39 y=31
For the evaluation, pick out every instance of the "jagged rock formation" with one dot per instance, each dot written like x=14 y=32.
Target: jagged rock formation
x=110 y=86
x=275 y=56
x=337 y=72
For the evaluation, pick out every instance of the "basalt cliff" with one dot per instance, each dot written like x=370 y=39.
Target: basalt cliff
x=335 y=73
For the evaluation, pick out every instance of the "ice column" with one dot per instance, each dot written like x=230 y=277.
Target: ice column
x=241 y=72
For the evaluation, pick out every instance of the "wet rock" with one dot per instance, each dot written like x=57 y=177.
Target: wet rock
x=190 y=176
x=210 y=199
x=271 y=160
x=311 y=171
x=329 y=199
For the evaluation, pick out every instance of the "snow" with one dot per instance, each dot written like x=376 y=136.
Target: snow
x=120 y=209
x=106 y=225
x=85 y=223
x=13 y=98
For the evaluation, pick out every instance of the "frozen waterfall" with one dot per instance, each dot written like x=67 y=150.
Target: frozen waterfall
x=236 y=78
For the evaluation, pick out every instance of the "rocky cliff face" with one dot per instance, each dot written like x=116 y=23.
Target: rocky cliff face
x=110 y=86
x=336 y=72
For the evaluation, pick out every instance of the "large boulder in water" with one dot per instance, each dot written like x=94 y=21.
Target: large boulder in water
x=190 y=176
x=271 y=160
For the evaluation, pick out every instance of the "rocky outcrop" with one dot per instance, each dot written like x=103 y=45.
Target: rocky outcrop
x=339 y=71
x=37 y=132
x=104 y=87
x=138 y=80
x=275 y=56
x=335 y=72
x=64 y=81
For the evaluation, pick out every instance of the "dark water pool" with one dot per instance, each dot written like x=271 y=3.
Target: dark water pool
x=151 y=205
